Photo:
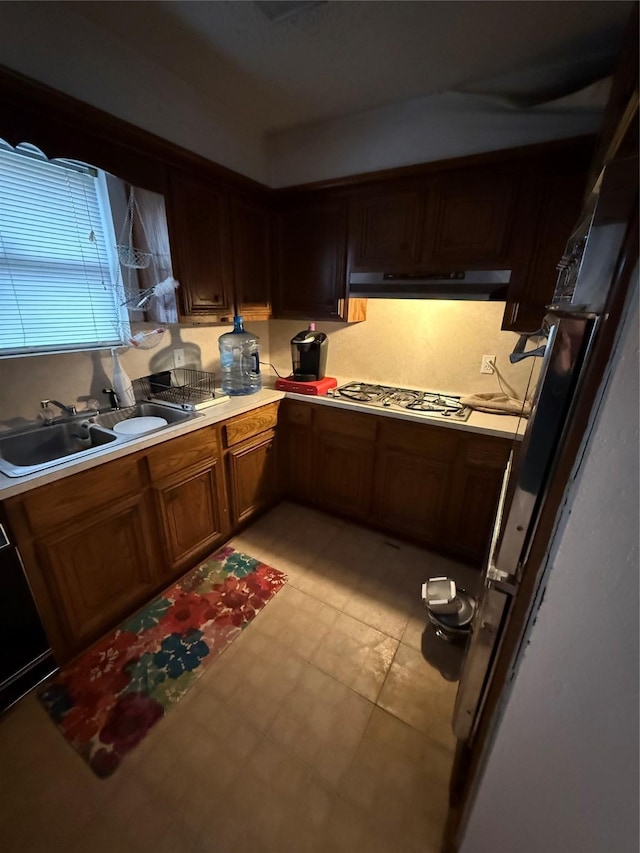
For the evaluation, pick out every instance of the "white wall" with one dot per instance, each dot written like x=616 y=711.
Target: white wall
x=562 y=776
x=417 y=131
x=54 y=44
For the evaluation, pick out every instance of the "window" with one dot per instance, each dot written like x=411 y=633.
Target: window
x=60 y=281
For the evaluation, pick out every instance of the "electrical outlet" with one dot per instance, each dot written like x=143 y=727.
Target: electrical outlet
x=488 y=364
x=178 y=357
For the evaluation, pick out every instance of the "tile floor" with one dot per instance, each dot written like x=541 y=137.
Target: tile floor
x=324 y=728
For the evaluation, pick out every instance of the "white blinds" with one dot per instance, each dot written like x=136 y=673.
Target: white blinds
x=59 y=282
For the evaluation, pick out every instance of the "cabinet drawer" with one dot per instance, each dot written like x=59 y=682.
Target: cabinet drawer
x=297 y=413
x=346 y=422
x=253 y=423
x=421 y=439
x=78 y=495
x=183 y=452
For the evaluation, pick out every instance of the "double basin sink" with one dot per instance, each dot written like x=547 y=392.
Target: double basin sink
x=37 y=447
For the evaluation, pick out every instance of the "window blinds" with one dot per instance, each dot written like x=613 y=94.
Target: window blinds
x=59 y=281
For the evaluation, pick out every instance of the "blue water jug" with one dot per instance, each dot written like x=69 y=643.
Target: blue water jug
x=240 y=361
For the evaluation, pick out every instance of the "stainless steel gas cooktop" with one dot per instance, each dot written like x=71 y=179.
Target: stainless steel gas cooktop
x=428 y=403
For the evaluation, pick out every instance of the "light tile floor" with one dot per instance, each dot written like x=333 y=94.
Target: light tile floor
x=324 y=728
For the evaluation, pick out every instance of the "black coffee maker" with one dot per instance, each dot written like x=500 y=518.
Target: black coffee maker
x=309 y=355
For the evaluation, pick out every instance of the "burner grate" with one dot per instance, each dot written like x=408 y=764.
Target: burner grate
x=432 y=403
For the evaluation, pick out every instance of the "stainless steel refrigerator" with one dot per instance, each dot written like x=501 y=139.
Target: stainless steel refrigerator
x=586 y=275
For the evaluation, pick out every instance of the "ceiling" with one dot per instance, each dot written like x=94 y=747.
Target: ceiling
x=334 y=59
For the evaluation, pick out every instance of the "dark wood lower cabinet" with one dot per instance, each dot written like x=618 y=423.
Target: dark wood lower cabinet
x=253 y=476
x=411 y=495
x=344 y=474
x=194 y=517
x=436 y=486
x=91 y=550
x=99 y=571
x=475 y=492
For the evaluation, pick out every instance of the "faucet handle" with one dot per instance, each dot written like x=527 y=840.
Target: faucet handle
x=47 y=414
x=113 y=397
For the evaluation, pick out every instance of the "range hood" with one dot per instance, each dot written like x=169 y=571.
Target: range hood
x=477 y=285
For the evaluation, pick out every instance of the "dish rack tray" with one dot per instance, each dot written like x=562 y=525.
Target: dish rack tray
x=182 y=387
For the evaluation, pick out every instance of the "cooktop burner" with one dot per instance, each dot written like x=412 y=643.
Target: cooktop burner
x=430 y=403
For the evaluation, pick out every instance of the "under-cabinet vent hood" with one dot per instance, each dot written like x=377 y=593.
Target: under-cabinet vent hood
x=478 y=285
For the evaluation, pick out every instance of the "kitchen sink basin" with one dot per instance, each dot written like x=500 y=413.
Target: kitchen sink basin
x=34 y=448
x=39 y=446
x=142 y=410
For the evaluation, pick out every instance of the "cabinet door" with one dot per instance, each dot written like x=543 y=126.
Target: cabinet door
x=199 y=233
x=194 y=517
x=469 y=219
x=474 y=497
x=344 y=473
x=414 y=467
x=295 y=449
x=547 y=215
x=98 y=571
x=251 y=248
x=311 y=275
x=385 y=231
x=253 y=477
x=411 y=494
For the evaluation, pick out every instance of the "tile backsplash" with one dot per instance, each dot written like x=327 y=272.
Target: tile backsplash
x=428 y=344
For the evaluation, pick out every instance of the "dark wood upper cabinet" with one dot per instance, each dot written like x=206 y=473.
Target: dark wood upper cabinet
x=311 y=270
x=200 y=247
x=619 y=128
x=251 y=238
x=510 y=209
x=385 y=230
x=549 y=205
x=469 y=220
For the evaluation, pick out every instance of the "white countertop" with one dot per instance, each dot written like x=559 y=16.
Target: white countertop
x=503 y=426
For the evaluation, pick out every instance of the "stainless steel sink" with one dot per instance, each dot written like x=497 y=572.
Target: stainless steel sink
x=37 y=447
x=40 y=446
x=142 y=410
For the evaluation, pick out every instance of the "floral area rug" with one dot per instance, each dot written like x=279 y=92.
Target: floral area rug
x=107 y=700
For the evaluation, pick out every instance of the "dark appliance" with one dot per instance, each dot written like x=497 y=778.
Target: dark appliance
x=475 y=285
x=587 y=272
x=25 y=656
x=309 y=355
x=309 y=361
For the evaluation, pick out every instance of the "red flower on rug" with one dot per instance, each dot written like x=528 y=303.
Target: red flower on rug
x=129 y=721
x=189 y=610
x=108 y=700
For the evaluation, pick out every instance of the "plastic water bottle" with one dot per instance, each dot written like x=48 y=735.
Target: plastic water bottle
x=239 y=361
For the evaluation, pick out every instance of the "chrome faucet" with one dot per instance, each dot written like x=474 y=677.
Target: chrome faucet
x=69 y=411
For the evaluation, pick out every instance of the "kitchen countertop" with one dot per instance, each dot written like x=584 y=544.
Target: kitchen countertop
x=503 y=426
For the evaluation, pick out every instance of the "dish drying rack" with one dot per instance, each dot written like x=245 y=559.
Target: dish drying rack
x=182 y=388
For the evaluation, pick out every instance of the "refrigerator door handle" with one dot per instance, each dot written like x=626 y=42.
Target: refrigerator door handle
x=499 y=579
